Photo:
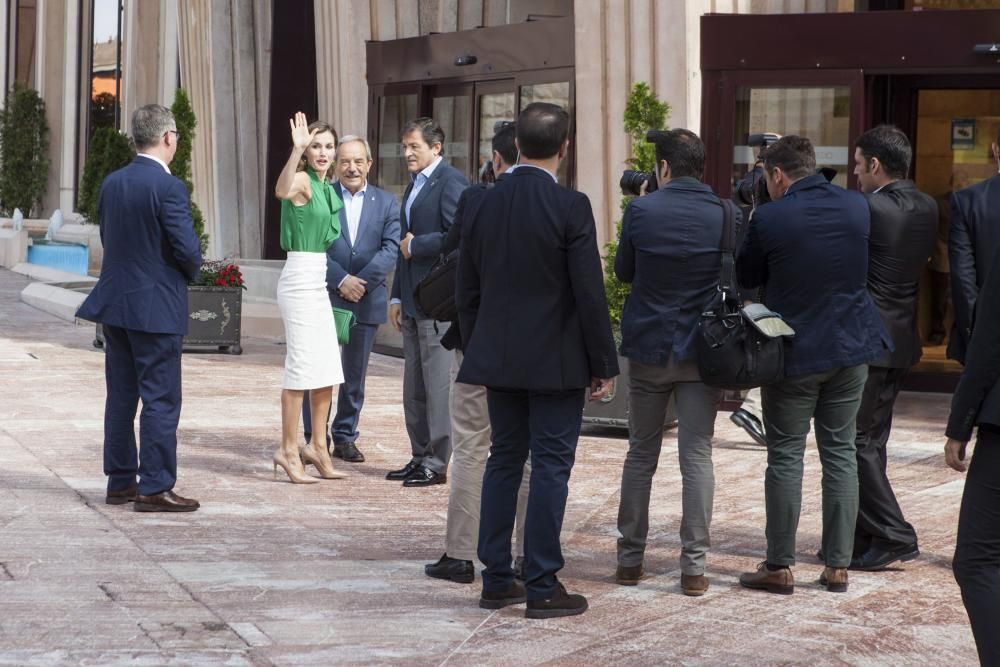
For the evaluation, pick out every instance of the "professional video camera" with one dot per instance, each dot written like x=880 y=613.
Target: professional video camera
x=632 y=180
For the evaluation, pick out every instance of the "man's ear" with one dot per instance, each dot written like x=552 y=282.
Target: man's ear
x=876 y=166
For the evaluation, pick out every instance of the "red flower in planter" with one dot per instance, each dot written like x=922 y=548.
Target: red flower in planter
x=219 y=273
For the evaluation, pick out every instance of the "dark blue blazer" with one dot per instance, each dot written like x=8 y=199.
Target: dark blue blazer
x=973 y=238
x=530 y=291
x=670 y=250
x=370 y=256
x=432 y=214
x=150 y=251
x=809 y=250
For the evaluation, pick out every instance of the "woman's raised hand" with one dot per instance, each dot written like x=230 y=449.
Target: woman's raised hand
x=301 y=136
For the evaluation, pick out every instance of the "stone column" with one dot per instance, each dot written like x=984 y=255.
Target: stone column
x=341 y=32
x=70 y=109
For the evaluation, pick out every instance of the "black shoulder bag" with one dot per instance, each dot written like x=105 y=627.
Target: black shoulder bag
x=738 y=348
x=435 y=293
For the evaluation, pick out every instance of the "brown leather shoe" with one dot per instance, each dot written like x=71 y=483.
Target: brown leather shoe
x=168 y=501
x=122 y=497
x=694 y=585
x=629 y=575
x=835 y=579
x=772 y=581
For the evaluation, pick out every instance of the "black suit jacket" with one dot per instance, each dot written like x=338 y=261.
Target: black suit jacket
x=430 y=217
x=977 y=397
x=903 y=233
x=530 y=290
x=974 y=236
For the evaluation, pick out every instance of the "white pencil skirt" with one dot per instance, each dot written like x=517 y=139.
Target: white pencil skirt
x=312 y=355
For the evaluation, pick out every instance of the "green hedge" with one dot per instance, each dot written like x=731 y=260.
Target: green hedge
x=24 y=151
x=109 y=151
x=181 y=165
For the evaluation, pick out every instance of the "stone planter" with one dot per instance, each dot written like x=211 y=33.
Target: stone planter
x=613 y=410
x=214 y=315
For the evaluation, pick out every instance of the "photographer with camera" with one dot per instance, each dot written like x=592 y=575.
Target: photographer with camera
x=808 y=249
x=669 y=251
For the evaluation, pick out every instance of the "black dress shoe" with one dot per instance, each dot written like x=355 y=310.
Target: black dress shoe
x=122 y=497
x=452 y=569
x=348 y=451
x=877 y=558
x=498 y=600
x=560 y=604
x=403 y=473
x=749 y=423
x=425 y=477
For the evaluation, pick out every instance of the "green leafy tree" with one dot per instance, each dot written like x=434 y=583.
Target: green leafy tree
x=643 y=112
x=181 y=164
x=102 y=111
x=24 y=149
x=109 y=151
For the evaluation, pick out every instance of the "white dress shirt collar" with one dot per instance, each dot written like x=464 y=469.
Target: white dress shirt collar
x=533 y=166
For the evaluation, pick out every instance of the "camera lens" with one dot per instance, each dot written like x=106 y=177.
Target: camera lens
x=631 y=182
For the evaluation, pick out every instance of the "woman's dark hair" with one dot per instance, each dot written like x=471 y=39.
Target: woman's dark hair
x=890 y=146
x=320 y=126
x=683 y=150
x=541 y=130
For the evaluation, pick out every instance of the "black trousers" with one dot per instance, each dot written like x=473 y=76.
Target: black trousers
x=977 y=552
x=546 y=426
x=880 y=520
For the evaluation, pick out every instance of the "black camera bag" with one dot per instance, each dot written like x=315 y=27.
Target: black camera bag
x=435 y=293
x=738 y=348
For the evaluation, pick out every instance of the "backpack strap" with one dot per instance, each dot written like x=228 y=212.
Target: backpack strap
x=728 y=269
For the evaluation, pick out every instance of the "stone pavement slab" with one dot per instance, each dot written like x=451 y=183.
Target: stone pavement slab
x=272 y=573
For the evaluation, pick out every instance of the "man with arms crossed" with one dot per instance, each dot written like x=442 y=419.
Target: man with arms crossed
x=356 y=266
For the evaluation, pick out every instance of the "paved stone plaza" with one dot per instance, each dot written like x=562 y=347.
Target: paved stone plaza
x=271 y=573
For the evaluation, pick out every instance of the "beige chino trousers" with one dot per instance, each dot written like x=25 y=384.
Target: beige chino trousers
x=470 y=439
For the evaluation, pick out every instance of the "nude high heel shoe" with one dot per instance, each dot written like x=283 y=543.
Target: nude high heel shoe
x=295 y=476
x=322 y=462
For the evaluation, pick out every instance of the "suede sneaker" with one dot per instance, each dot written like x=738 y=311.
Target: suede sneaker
x=694 y=584
x=629 y=575
x=499 y=599
x=560 y=604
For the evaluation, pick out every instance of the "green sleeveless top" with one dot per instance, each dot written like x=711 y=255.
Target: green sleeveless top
x=314 y=226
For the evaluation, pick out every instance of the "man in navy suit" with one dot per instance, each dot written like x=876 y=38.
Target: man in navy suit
x=356 y=267
x=536 y=332
x=974 y=238
x=670 y=252
x=429 y=205
x=151 y=252
x=808 y=249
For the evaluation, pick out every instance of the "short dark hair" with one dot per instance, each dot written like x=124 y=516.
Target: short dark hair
x=430 y=131
x=683 y=150
x=503 y=143
x=541 y=130
x=890 y=146
x=793 y=154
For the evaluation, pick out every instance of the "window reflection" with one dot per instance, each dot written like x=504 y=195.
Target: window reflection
x=24 y=43
x=821 y=114
x=394 y=112
x=454 y=115
x=493 y=107
x=553 y=93
x=106 y=70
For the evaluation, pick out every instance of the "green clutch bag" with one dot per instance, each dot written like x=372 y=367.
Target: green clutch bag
x=343 y=320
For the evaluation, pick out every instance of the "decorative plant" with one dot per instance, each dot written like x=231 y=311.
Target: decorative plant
x=219 y=273
x=24 y=149
x=643 y=112
x=181 y=165
x=109 y=151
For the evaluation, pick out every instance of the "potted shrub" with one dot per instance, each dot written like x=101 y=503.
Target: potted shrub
x=643 y=112
x=109 y=151
x=24 y=149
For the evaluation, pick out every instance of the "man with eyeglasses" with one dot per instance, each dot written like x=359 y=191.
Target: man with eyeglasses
x=151 y=251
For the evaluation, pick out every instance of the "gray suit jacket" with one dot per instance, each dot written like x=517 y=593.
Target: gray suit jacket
x=370 y=256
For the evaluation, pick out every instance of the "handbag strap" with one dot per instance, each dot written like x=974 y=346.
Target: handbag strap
x=728 y=270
